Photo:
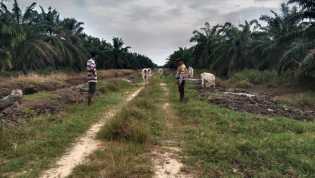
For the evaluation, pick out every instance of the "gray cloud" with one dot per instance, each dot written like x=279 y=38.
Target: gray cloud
x=156 y=28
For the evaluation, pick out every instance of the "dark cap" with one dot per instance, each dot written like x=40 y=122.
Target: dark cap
x=93 y=54
x=178 y=60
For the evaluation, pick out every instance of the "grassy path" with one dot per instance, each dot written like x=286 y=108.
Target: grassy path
x=157 y=136
x=167 y=155
x=129 y=138
x=141 y=141
x=84 y=145
x=32 y=147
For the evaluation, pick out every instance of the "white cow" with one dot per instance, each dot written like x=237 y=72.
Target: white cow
x=207 y=80
x=161 y=71
x=150 y=72
x=145 y=75
x=191 y=72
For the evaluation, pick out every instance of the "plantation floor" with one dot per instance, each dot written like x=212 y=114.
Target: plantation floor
x=155 y=135
x=84 y=146
x=220 y=142
x=33 y=146
x=141 y=141
x=166 y=157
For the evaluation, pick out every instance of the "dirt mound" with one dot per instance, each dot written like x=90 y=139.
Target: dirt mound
x=28 y=109
x=243 y=101
x=21 y=112
x=54 y=102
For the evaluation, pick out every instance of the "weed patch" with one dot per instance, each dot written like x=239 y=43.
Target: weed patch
x=223 y=143
x=34 y=145
x=255 y=77
x=116 y=160
x=303 y=99
x=136 y=122
x=128 y=138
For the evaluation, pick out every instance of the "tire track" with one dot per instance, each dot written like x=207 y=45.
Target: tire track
x=85 y=145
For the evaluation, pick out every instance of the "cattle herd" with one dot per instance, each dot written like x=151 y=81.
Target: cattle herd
x=207 y=79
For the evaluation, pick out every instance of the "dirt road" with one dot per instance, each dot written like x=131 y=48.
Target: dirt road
x=85 y=145
x=166 y=157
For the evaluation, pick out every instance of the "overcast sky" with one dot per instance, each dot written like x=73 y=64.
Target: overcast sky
x=156 y=27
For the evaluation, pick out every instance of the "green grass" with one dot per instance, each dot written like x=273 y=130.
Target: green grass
x=302 y=99
x=45 y=95
x=140 y=121
x=116 y=160
x=254 y=77
x=223 y=143
x=128 y=138
x=33 y=146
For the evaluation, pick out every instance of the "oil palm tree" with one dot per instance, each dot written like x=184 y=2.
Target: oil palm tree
x=34 y=40
x=281 y=30
x=119 y=52
x=308 y=8
x=206 y=39
x=232 y=51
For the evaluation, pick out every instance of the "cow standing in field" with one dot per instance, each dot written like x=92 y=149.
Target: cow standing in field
x=150 y=72
x=145 y=75
x=191 y=72
x=207 y=80
x=161 y=71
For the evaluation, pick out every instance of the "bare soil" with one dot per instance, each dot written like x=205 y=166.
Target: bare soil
x=20 y=112
x=255 y=101
x=72 y=93
x=167 y=156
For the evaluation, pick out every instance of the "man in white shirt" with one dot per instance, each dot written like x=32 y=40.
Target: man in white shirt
x=92 y=77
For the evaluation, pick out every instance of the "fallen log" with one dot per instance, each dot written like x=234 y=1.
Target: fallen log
x=15 y=96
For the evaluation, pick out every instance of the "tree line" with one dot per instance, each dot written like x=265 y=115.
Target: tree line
x=34 y=39
x=286 y=43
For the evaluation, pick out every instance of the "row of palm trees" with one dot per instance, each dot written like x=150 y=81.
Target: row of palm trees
x=36 y=40
x=285 y=43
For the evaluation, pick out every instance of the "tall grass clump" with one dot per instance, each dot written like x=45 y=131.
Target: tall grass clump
x=127 y=127
x=129 y=137
x=256 y=77
x=139 y=121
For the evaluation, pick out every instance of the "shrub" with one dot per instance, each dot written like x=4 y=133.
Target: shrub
x=128 y=125
x=124 y=129
x=243 y=84
x=139 y=122
x=305 y=99
x=257 y=77
x=254 y=76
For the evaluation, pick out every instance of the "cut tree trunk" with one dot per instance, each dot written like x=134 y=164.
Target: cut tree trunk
x=9 y=101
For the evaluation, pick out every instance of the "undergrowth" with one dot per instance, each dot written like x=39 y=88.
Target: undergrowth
x=223 y=143
x=32 y=146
